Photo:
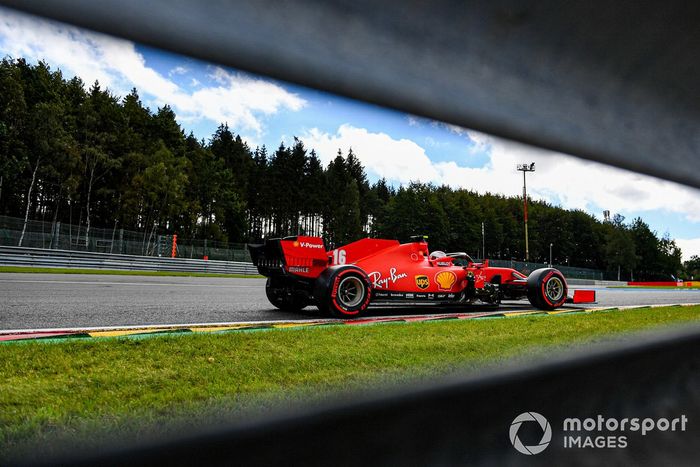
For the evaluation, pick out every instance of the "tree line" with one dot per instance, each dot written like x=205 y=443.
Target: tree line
x=79 y=154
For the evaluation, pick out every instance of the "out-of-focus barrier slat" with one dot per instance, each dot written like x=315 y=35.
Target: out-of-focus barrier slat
x=37 y=257
x=614 y=82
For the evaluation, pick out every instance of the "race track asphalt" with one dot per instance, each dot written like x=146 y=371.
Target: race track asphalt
x=33 y=301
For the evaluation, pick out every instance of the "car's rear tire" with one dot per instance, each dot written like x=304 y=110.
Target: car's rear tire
x=546 y=288
x=284 y=298
x=343 y=292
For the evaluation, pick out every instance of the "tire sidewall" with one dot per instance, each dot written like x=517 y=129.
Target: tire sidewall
x=536 y=288
x=327 y=291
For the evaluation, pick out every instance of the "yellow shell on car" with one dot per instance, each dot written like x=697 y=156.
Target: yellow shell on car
x=445 y=279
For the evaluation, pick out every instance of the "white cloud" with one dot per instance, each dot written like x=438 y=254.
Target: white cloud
x=559 y=178
x=239 y=100
x=218 y=74
x=432 y=142
x=689 y=247
x=179 y=70
x=399 y=160
x=480 y=141
x=458 y=130
x=413 y=121
x=582 y=184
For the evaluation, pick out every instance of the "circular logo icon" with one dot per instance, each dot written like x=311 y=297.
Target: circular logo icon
x=546 y=433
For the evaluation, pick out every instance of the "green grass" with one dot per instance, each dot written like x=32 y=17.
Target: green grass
x=84 y=390
x=115 y=272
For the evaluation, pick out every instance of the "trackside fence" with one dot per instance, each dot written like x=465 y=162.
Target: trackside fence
x=568 y=271
x=37 y=257
x=72 y=237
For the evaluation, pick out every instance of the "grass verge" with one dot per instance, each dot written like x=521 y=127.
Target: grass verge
x=84 y=390
x=115 y=272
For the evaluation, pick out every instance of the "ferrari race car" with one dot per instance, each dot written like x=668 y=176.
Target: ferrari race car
x=344 y=281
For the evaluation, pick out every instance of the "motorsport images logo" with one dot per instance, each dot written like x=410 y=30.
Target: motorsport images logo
x=597 y=432
x=546 y=433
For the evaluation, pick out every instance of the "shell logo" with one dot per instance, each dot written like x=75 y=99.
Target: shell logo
x=296 y=244
x=445 y=279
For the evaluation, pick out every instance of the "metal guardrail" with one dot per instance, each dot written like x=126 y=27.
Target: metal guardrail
x=38 y=257
x=63 y=236
x=568 y=271
x=593 y=282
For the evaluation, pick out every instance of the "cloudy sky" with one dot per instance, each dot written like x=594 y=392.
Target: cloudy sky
x=391 y=144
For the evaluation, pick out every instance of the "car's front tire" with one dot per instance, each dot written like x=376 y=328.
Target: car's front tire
x=546 y=288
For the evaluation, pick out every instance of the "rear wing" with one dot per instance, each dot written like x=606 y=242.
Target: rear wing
x=299 y=256
x=267 y=257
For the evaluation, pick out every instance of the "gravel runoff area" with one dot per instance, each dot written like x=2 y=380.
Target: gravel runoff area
x=33 y=301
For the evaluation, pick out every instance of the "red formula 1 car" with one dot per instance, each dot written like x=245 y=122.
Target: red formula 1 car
x=343 y=282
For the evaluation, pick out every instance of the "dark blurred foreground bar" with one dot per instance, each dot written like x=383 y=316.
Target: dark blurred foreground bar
x=466 y=421
x=615 y=82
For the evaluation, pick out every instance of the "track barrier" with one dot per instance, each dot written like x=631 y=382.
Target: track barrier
x=42 y=258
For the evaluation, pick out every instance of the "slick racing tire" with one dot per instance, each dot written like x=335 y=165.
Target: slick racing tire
x=546 y=288
x=284 y=298
x=343 y=291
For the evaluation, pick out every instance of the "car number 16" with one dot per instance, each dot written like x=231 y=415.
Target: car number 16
x=338 y=256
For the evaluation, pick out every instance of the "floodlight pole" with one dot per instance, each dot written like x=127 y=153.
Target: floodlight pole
x=483 y=242
x=550 y=254
x=524 y=168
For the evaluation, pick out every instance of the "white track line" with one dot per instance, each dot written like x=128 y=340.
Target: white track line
x=160 y=326
x=234 y=323
x=302 y=321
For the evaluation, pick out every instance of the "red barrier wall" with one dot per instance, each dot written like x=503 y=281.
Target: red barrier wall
x=584 y=296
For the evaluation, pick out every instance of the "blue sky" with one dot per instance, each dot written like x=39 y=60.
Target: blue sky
x=390 y=144
x=322 y=111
